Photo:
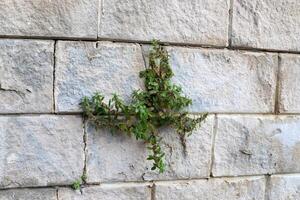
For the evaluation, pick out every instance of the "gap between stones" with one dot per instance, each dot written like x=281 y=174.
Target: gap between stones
x=212 y=158
x=230 y=15
x=54 y=66
x=277 y=89
x=84 y=174
x=267 y=183
x=153 y=191
x=150 y=183
x=187 y=45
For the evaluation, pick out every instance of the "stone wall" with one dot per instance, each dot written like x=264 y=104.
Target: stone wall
x=239 y=60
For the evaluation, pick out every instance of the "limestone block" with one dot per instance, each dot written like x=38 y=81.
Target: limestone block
x=26 y=194
x=225 y=81
x=107 y=192
x=83 y=68
x=118 y=157
x=55 y=18
x=177 y=21
x=249 y=145
x=40 y=150
x=284 y=187
x=289 y=86
x=266 y=24
x=26 y=76
x=213 y=189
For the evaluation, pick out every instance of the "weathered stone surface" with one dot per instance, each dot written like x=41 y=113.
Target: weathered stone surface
x=266 y=24
x=40 y=150
x=26 y=76
x=179 y=21
x=247 y=145
x=107 y=192
x=83 y=68
x=28 y=194
x=289 y=87
x=284 y=187
x=213 y=189
x=55 y=18
x=225 y=81
x=120 y=158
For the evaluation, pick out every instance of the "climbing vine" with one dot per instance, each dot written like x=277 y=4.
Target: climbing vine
x=160 y=104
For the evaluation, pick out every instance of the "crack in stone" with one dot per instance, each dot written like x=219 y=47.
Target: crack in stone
x=18 y=92
x=183 y=144
x=246 y=152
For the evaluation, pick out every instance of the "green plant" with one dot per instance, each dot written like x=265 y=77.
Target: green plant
x=160 y=104
x=77 y=184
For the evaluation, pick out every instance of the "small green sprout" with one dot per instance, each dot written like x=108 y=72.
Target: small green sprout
x=76 y=185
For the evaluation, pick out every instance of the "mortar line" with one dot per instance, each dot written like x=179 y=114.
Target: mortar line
x=39 y=114
x=57 y=198
x=99 y=13
x=152 y=182
x=267 y=183
x=195 y=179
x=54 y=78
x=143 y=55
x=191 y=113
x=212 y=158
x=33 y=187
x=230 y=18
x=84 y=149
x=277 y=89
x=186 y=45
x=153 y=192
x=35 y=37
x=255 y=175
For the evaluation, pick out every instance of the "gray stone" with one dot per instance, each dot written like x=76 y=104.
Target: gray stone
x=26 y=76
x=83 y=68
x=177 y=21
x=284 y=187
x=121 y=158
x=194 y=162
x=266 y=24
x=55 y=18
x=28 y=194
x=252 y=188
x=40 y=150
x=225 y=81
x=248 y=145
x=107 y=192
x=289 y=87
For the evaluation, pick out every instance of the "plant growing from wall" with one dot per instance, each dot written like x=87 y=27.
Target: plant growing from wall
x=160 y=104
x=77 y=183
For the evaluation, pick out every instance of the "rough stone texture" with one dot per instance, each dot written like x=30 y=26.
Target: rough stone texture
x=266 y=24
x=214 y=189
x=179 y=21
x=54 y=18
x=43 y=152
x=248 y=145
x=26 y=76
x=107 y=192
x=40 y=150
x=28 y=194
x=83 y=68
x=120 y=158
x=284 y=187
x=289 y=87
x=225 y=81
